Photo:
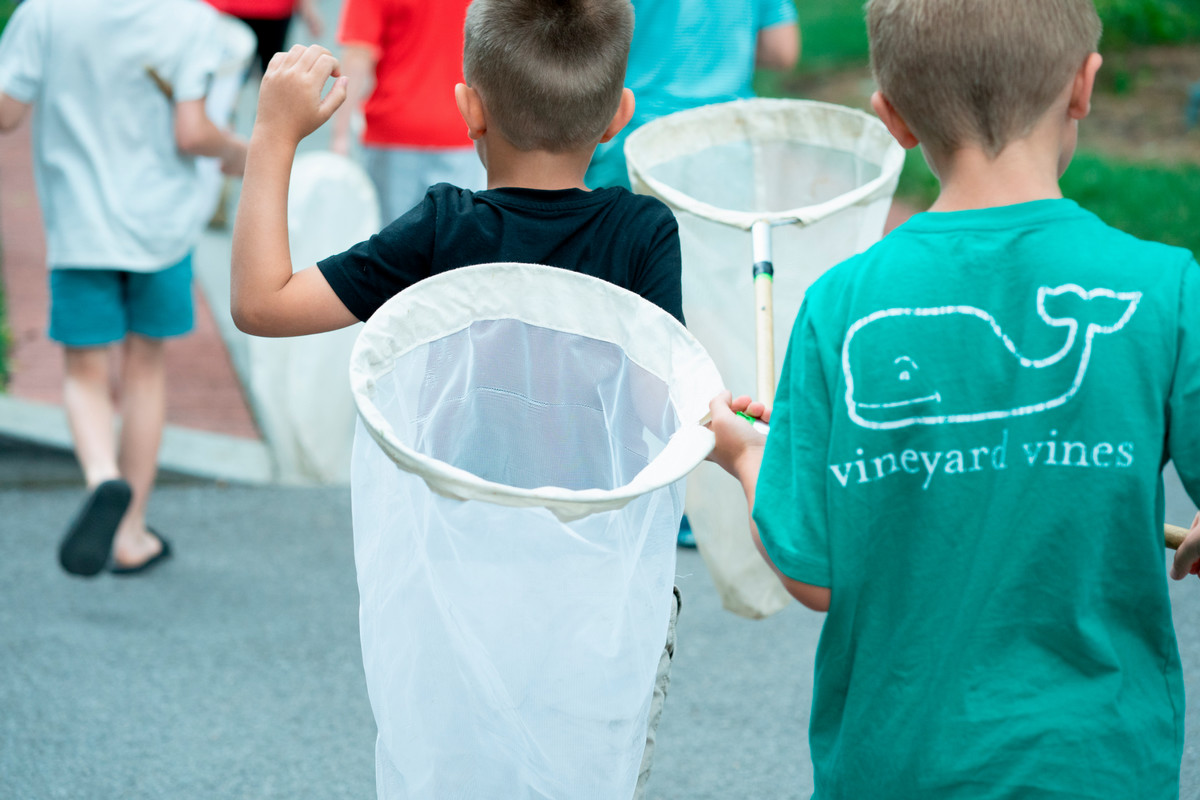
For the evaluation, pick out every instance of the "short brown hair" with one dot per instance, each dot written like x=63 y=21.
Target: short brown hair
x=550 y=72
x=977 y=71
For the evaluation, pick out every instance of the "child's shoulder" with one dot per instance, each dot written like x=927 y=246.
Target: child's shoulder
x=650 y=209
x=1008 y=238
x=613 y=207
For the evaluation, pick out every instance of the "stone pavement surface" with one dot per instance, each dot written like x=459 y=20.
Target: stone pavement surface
x=234 y=670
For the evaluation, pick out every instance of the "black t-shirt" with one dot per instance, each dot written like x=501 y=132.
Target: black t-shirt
x=626 y=239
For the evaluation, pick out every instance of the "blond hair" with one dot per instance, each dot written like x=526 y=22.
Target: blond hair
x=550 y=72
x=977 y=71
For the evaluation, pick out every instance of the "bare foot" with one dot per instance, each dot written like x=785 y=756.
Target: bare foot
x=132 y=548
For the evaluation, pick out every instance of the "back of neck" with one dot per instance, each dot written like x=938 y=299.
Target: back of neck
x=1022 y=172
x=535 y=169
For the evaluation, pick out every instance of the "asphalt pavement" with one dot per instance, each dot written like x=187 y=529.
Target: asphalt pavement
x=234 y=671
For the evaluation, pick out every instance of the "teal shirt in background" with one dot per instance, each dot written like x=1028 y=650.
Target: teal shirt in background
x=966 y=447
x=684 y=54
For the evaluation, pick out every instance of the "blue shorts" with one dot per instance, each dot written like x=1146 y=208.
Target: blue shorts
x=95 y=307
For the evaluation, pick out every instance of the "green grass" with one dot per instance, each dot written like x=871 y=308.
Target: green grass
x=1150 y=201
x=6 y=9
x=5 y=343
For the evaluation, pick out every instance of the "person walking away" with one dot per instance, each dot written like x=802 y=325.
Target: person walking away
x=119 y=90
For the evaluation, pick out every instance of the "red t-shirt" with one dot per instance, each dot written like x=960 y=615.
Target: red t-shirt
x=419 y=45
x=255 y=9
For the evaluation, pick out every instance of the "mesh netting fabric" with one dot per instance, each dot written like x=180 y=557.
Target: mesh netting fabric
x=510 y=651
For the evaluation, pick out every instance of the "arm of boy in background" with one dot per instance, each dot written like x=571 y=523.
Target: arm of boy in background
x=12 y=112
x=312 y=17
x=739 y=451
x=266 y=298
x=197 y=135
x=778 y=47
x=358 y=66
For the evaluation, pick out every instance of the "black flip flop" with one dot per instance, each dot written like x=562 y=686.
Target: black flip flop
x=159 y=557
x=88 y=543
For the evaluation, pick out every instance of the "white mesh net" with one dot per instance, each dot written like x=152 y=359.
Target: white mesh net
x=824 y=175
x=517 y=484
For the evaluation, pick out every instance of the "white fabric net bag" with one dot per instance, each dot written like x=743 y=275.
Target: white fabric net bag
x=822 y=177
x=517 y=484
x=307 y=414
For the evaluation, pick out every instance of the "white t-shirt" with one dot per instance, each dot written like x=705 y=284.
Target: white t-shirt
x=115 y=191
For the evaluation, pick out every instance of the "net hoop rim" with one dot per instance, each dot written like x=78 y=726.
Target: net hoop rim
x=717 y=123
x=564 y=300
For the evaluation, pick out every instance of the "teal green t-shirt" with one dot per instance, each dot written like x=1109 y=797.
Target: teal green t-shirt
x=966 y=448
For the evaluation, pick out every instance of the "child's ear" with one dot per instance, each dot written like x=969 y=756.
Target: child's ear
x=1081 y=88
x=470 y=108
x=622 y=117
x=895 y=124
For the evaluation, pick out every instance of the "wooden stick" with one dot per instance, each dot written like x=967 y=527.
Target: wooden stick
x=1174 y=535
x=162 y=83
x=764 y=312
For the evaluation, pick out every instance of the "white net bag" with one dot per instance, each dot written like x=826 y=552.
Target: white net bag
x=822 y=176
x=307 y=414
x=517 y=483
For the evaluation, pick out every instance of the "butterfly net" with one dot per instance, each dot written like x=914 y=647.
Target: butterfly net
x=517 y=484
x=823 y=175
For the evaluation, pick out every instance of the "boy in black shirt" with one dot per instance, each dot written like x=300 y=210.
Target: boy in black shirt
x=544 y=85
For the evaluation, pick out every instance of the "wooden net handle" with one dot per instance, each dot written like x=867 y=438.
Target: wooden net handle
x=1174 y=535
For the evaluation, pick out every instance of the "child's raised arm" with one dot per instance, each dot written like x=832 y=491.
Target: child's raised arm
x=266 y=298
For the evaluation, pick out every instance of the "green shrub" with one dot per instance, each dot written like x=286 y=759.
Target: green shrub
x=918 y=187
x=833 y=35
x=834 y=32
x=1128 y=23
x=7 y=7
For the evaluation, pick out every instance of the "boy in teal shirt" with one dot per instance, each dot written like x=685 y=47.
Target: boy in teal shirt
x=964 y=464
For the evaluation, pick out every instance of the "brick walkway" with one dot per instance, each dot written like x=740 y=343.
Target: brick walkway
x=203 y=390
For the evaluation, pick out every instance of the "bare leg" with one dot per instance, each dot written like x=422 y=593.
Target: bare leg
x=87 y=545
x=143 y=413
x=90 y=413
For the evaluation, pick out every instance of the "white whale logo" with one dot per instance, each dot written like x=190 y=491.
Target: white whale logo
x=897 y=384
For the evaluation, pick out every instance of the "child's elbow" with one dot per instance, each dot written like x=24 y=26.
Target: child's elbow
x=247 y=318
x=188 y=141
x=813 y=597
x=820 y=605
